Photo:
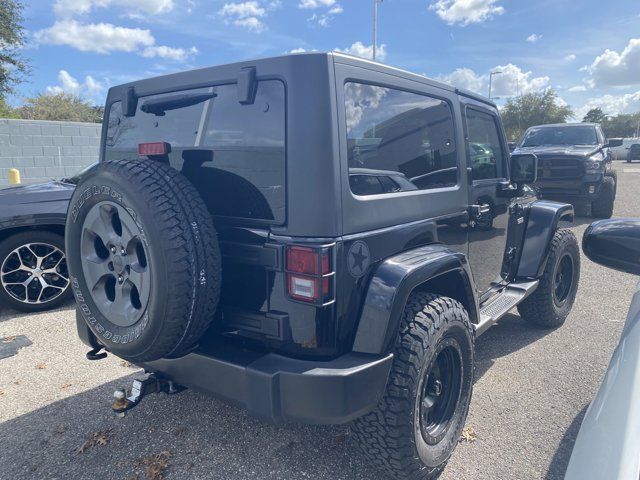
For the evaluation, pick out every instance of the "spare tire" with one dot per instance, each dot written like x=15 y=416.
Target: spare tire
x=144 y=259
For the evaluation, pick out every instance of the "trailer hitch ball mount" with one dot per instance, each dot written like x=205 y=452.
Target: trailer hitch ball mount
x=150 y=383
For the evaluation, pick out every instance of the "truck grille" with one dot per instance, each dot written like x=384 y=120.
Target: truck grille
x=559 y=167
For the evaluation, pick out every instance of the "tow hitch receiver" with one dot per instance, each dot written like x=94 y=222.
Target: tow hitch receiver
x=151 y=383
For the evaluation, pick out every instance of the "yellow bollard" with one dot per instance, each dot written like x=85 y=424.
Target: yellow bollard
x=14 y=176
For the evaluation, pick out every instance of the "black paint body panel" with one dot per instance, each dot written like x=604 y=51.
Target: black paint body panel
x=32 y=205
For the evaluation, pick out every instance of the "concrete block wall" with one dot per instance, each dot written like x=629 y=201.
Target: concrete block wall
x=43 y=150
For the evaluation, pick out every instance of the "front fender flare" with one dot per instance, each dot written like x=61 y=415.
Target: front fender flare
x=542 y=223
x=390 y=287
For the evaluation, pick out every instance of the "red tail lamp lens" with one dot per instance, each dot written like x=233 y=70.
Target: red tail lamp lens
x=153 y=148
x=305 y=267
x=305 y=260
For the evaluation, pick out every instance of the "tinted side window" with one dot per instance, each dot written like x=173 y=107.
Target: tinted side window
x=234 y=154
x=406 y=137
x=485 y=148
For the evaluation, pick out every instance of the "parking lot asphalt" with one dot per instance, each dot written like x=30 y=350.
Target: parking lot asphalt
x=531 y=391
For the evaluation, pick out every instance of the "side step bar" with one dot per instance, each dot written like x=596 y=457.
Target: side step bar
x=499 y=306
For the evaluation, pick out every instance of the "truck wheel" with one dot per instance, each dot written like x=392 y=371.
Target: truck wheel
x=417 y=424
x=602 y=207
x=144 y=259
x=614 y=175
x=549 y=305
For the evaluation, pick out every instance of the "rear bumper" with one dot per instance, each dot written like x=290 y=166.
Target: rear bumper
x=279 y=388
x=275 y=387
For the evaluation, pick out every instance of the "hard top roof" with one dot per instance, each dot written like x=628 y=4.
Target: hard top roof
x=337 y=57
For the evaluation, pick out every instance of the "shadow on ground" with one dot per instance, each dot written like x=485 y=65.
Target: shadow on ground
x=560 y=460
x=7 y=313
x=510 y=334
x=206 y=438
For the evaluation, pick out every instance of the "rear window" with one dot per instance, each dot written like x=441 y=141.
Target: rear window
x=233 y=153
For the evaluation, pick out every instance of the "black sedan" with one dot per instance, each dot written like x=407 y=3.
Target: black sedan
x=33 y=267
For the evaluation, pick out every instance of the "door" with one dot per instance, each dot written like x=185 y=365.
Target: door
x=487 y=160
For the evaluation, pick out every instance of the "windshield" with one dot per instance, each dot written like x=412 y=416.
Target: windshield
x=569 y=135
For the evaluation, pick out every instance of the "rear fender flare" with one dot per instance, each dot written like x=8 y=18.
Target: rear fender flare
x=392 y=283
x=542 y=223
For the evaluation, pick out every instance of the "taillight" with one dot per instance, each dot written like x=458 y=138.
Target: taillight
x=153 y=148
x=309 y=274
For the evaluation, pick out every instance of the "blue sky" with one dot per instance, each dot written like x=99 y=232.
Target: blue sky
x=588 y=52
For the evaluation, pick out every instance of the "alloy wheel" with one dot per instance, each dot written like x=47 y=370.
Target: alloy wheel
x=115 y=263
x=35 y=273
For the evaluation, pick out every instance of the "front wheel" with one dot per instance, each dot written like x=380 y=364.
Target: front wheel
x=417 y=425
x=33 y=271
x=602 y=207
x=550 y=304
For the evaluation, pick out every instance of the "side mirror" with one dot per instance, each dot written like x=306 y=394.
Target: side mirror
x=614 y=243
x=512 y=146
x=524 y=168
x=614 y=142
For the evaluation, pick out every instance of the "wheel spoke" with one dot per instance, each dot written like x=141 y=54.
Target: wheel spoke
x=100 y=221
x=94 y=272
x=21 y=268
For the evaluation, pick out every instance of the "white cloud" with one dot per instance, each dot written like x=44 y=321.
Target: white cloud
x=95 y=37
x=577 y=88
x=310 y=4
x=466 y=11
x=358 y=49
x=533 y=38
x=169 y=53
x=612 y=104
x=570 y=58
x=617 y=69
x=297 y=50
x=69 y=8
x=245 y=14
x=90 y=88
x=465 y=78
x=511 y=81
x=242 y=10
x=106 y=38
x=320 y=18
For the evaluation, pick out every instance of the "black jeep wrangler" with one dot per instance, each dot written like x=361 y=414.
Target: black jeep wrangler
x=312 y=237
x=574 y=165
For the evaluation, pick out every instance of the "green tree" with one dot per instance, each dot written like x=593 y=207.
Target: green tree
x=13 y=67
x=6 y=111
x=536 y=108
x=595 y=115
x=61 y=106
x=622 y=125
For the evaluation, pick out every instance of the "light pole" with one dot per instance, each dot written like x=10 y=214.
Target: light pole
x=375 y=27
x=491 y=80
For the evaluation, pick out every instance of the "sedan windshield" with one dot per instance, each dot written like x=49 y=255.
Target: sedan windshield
x=569 y=135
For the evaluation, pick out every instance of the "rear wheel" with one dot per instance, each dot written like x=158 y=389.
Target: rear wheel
x=549 y=305
x=602 y=207
x=415 y=428
x=33 y=271
x=144 y=259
